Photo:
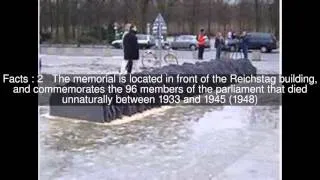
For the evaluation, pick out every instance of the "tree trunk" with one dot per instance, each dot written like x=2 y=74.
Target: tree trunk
x=46 y=19
x=73 y=27
x=257 y=16
x=99 y=29
x=185 y=16
x=276 y=18
x=66 y=19
x=209 y=17
x=57 y=19
x=193 y=18
x=73 y=22
x=144 y=9
x=51 y=17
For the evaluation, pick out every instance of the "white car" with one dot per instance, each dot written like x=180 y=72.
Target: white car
x=117 y=43
x=145 y=42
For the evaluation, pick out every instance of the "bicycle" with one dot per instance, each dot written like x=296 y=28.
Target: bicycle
x=236 y=53
x=170 y=57
x=151 y=60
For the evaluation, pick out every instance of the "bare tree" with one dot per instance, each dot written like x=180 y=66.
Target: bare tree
x=65 y=15
x=143 y=13
x=57 y=19
x=257 y=16
x=75 y=17
x=209 y=17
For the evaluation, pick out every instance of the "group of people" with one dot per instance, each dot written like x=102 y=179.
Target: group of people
x=131 y=47
x=220 y=43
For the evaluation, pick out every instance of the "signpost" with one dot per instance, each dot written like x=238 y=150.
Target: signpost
x=159 y=24
x=148 y=29
x=159 y=29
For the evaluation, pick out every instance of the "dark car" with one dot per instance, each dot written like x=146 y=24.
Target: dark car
x=265 y=42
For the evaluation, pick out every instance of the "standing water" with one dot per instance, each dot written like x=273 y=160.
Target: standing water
x=181 y=142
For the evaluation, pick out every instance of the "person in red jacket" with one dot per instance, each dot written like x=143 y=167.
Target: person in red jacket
x=201 y=38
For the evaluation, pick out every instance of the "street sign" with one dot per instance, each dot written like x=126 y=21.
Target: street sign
x=159 y=26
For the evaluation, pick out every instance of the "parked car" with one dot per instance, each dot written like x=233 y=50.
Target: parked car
x=145 y=42
x=265 y=42
x=164 y=44
x=117 y=43
x=187 y=42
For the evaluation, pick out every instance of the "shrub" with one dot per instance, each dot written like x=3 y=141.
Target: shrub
x=45 y=36
x=87 y=39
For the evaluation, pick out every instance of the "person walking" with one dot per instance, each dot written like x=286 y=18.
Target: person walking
x=125 y=32
x=218 y=44
x=201 y=38
x=131 y=49
x=244 y=44
x=235 y=48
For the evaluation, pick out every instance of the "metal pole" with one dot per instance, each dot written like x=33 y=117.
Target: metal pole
x=159 y=41
x=40 y=65
x=116 y=34
x=148 y=28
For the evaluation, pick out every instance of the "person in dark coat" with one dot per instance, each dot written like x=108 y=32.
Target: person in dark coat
x=131 y=49
x=244 y=44
x=218 y=44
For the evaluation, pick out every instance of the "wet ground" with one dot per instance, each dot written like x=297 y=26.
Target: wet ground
x=105 y=60
x=182 y=142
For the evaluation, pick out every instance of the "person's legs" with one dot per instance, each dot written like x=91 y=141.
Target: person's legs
x=135 y=66
x=245 y=52
x=227 y=55
x=129 y=66
x=199 y=52
x=123 y=66
x=201 y=48
x=218 y=50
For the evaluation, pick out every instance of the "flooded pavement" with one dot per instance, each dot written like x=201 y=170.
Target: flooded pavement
x=185 y=142
x=181 y=142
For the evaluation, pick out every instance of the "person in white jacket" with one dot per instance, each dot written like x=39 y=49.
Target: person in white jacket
x=230 y=34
